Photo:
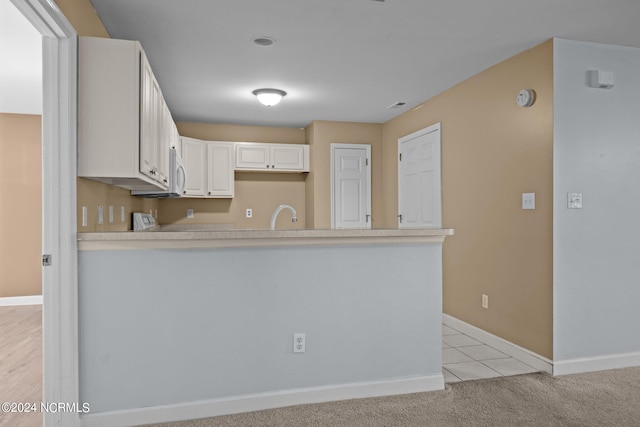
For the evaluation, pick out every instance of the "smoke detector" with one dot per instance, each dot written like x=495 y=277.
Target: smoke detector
x=264 y=41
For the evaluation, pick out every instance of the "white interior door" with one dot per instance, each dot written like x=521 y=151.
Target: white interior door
x=419 y=179
x=351 y=186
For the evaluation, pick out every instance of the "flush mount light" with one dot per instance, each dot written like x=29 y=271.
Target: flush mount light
x=269 y=97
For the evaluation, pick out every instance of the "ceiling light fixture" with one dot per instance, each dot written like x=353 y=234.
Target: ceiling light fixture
x=269 y=97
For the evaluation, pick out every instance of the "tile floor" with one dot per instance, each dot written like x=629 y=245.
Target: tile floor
x=465 y=358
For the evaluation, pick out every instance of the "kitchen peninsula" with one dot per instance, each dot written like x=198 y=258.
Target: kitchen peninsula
x=187 y=324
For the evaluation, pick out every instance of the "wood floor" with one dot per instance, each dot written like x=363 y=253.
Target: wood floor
x=21 y=362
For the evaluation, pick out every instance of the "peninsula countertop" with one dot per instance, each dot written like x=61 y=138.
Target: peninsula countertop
x=203 y=237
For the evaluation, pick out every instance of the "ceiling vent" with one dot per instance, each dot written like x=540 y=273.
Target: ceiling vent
x=395 y=104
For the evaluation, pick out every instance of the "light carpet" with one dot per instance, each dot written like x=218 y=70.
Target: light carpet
x=605 y=398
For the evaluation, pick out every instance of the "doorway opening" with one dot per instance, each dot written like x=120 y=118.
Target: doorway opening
x=20 y=214
x=59 y=236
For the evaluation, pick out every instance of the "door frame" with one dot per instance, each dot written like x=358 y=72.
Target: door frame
x=335 y=146
x=59 y=224
x=436 y=127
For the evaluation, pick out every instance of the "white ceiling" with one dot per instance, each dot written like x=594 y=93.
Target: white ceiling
x=20 y=63
x=344 y=60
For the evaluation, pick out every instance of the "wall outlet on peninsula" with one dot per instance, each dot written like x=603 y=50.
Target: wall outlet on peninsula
x=299 y=343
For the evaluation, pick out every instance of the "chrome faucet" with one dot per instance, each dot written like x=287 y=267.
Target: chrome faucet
x=294 y=218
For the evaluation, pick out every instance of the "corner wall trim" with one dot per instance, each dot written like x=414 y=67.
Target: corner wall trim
x=260 y=401
x=597 y=363
x=26 y=300
x=507 y=347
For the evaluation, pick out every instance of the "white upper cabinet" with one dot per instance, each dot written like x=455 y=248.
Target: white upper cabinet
x=255 y=156
x=124 y=126
x=149 y=120
x=194 y=159
x=220 y=178
x=209 y=168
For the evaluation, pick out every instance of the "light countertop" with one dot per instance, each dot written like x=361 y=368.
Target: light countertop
x=206 y=237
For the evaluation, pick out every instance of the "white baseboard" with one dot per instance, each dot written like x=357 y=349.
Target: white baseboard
x=257 y=402
x=527 y=356
x=598 y=363
x=28 y=300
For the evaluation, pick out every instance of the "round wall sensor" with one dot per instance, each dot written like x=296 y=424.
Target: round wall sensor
x=526 y=97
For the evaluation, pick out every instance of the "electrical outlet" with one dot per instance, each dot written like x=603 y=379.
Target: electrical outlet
x=485 y=301
x=100 y=215
x=249 y=213
x=299 y=343
x=574 y=200
x=190 y=213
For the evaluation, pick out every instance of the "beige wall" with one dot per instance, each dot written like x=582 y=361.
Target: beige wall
x=20 y=204
x=492 y=152
x=320 y=136
x=83 y=17
x=262 y=192
x=93 y=194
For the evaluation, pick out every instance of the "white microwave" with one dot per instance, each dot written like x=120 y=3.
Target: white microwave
x=177 y=179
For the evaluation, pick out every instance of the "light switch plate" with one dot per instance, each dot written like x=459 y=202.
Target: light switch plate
x=528 y=200
x=110 y=214
x=190 y=213
x=574 y=200
x=100 y=215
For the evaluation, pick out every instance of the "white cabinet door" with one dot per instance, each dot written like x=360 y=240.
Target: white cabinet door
x=194 y=159
x=253 y=156
x=287 y=157
x=165 y=127
x=220 y=182
x=149 y=94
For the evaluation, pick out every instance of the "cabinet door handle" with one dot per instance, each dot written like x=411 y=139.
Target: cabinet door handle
x=267 y=166
x=209 y=192
x=184 y=192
